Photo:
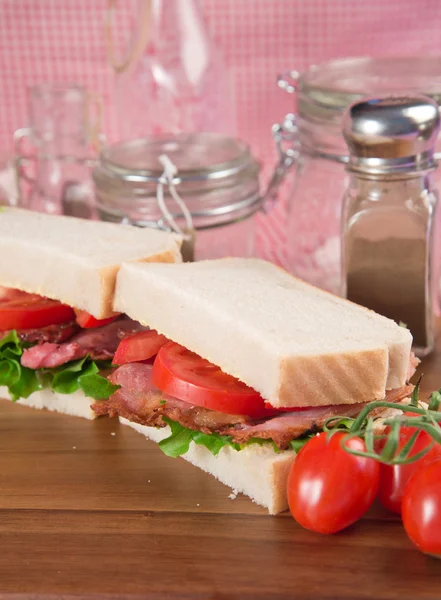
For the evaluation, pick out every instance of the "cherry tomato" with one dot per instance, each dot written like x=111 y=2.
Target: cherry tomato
x=422 y=508
x=88 y=321
x=19 y=310
x=328 y=488
x=185 y=375
x=393 y=479
x=139 y=346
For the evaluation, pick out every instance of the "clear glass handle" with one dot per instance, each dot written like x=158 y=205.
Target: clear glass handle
x=22 y=161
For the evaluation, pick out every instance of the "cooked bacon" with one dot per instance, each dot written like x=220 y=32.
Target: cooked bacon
x=101 y=343
x=49 y=355
x=139 y=401
x=54 y=334
x=289 y=426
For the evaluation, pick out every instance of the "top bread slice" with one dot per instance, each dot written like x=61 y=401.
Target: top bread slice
x=293 y=343
x=74 y=260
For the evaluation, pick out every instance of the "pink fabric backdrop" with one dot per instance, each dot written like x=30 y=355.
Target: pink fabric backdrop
x=43 y=40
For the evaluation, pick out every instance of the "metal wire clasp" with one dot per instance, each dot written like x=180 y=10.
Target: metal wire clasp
x=287 y=145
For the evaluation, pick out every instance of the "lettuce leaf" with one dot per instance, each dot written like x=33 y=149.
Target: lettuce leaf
x=80 y=374
x=178 y=442
x=298 y=444
x=19 y=380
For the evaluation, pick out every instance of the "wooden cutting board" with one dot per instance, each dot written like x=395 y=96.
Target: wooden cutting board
x=91 y=509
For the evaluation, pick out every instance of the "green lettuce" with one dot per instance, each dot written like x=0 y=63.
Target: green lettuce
x=19 y=380
x=180 y=438
x=298 y=443
x=82 y=374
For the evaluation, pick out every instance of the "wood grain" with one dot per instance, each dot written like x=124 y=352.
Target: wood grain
x=84 y=513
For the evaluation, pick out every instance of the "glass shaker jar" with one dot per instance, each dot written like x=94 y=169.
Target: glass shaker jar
x=217 y=178
x=323 y=93
x=390 y=216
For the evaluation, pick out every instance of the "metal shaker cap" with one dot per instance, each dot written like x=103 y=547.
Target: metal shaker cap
x=390 y=135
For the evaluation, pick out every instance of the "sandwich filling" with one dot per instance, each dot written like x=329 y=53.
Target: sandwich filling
x=140 y=375
x=46 y=344
x=202 y=404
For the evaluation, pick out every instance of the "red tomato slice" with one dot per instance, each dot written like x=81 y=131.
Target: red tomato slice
x=393 y=479
x=185 y=375
x=19 y=310
x=329 y=488
x=139 y=346
x=87 y=321
x=422 y=508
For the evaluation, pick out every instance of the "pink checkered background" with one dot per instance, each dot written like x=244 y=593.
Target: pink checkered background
x=62 y=40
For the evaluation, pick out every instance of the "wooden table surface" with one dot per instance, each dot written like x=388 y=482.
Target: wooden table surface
x=93 y=510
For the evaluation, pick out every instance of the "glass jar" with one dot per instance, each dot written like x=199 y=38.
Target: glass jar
x=390 y=211
x=53 y=154
x=323 y=93
x=217 y=178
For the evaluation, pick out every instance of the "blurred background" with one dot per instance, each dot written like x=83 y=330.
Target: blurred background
x=47 y=40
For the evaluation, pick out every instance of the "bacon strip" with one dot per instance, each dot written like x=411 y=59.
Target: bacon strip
x=101 y=343
x=139 y=401
x=54 y=334
x=289 y=426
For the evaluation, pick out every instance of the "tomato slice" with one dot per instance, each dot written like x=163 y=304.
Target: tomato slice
x=185 y=375
x=87 y=321
x=139 y=346
x=19 y=310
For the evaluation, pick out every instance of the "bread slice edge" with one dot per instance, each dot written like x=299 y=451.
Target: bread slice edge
x=256 y=471
x=75 y=404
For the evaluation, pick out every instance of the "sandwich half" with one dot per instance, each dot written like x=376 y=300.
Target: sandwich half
x=58 y=329
x=250 y=362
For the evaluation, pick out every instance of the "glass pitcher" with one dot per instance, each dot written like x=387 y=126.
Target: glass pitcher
x=53 y=154
x=172 y=78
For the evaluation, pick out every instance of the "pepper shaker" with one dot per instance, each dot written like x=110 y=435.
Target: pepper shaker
x=389 y=226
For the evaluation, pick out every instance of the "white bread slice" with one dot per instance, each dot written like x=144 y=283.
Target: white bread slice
x=257 y=470
x=74 y=260
x=295 y=344
x=76 y=404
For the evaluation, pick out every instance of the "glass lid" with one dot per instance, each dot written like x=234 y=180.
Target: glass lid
x=197 y=156
x=332 y=85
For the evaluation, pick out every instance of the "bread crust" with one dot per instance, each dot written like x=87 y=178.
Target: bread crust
x=355 y=355
x=335 y=374
x=74 y=260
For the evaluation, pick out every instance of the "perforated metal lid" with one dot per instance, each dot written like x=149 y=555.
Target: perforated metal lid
x=392 y=135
